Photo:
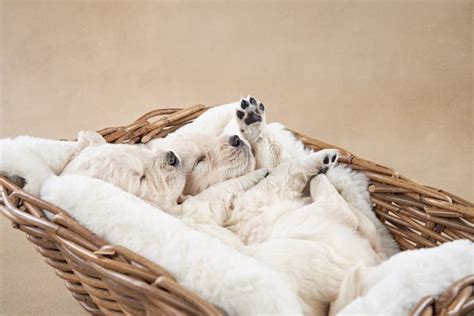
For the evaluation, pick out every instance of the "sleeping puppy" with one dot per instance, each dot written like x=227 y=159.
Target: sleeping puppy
x=263 y=205
x=272 y=144
x=313 y=243
x=156 y=176
x=208 y=159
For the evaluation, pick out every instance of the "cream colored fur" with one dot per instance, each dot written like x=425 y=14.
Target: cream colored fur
x=272 y=144
x=274 y=208
x=207 y=159
x=136 y=169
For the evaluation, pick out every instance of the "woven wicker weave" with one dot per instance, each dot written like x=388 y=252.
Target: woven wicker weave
x=108 y=279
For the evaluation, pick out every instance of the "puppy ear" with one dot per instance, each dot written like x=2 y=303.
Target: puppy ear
x=89 y=138
x=86 y=139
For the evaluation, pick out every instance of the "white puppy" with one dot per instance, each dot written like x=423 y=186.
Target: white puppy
x=261 y=211
x=269 y=214
x=255 y=207
x=272 y=144
x=208 y=159
x=125 y=166
x=153 y=175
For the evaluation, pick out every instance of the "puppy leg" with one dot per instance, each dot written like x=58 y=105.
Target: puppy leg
x=251 y=119
x=251 y=122
x=322 y=190
x=352 y=186
x=344 y=212
x=287 y=180
x=224 y=235
x=320 y=161
x=314 y=267
x=352 y=287
x=213 y=205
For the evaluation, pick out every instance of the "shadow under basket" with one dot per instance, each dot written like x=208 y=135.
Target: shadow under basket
x=109 y=279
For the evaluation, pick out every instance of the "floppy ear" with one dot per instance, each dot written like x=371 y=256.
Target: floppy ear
x=86 y=139
x=89 y=138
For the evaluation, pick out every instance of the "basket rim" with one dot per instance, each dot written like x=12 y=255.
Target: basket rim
x=396 y=199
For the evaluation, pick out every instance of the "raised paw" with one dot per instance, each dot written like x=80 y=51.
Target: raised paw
x=250 y=117
x=329 y=160
x=321 y=161
x=250 y=111
x=249 y=180
x=258 y=174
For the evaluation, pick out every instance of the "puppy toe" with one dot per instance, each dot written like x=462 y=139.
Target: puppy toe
x=253 y=101
x=244 y=104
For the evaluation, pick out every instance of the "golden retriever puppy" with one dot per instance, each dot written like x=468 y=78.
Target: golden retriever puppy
x=156 y=176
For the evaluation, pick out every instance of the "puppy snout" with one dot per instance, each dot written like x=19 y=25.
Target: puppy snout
x=253 y=117
x=323 y=170
x=172 y=159
x=235 y=141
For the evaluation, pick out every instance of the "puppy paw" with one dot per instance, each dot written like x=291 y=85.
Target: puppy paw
x=250 y=117
x=249 y=180
x=329 y=160
x=262 y=173
x=321 y=161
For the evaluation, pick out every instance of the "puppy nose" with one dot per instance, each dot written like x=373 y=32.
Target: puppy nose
x=235 y=141
x=172 y=159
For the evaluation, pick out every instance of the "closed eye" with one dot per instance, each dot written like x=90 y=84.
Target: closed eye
x=199 y=160
x=142 y=178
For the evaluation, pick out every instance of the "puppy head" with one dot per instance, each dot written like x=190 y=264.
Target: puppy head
x=221 y=158
x=153 y=175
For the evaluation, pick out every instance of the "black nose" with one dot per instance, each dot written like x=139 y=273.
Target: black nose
x=172 y=159
x=235 y=141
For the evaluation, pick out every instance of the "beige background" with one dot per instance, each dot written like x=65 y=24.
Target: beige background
x=390 y=81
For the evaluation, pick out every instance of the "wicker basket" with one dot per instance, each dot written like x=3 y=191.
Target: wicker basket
x=108 y=279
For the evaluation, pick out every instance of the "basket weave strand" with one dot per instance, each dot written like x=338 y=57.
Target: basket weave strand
x=108 y=279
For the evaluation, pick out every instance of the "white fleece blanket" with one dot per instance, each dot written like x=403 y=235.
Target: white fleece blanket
x=396 y=285
x=238 y=284
x=34 y=159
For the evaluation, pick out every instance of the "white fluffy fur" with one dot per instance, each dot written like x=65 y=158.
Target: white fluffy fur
x=314 y=241
x=396 y=285
x=212 y=122
x=34 y=159
x=135 y=169
x=273 y=144
x=353 y=187
x=274 y=209
x=314 y=258
x=208 y=159
x=238 y=284
x=267 y=213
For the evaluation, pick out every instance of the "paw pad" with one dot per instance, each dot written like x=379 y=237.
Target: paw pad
x=240 y=114
x=251 y=111
x=329 y=159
